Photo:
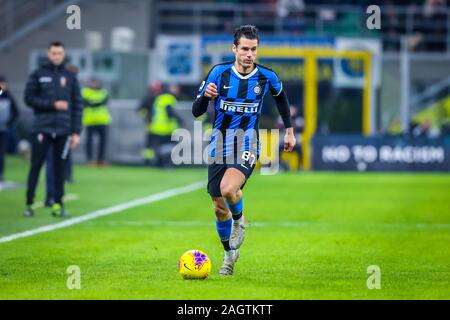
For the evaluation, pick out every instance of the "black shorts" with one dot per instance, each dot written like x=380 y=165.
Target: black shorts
x=217 y=170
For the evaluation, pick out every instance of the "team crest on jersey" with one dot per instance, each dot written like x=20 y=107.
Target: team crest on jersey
x=257 y=89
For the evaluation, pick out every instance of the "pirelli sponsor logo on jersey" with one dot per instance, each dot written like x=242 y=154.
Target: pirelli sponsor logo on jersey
x=239 y=107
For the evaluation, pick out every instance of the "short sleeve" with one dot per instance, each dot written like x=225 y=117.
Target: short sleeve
x=275 y=84
x=210 y=78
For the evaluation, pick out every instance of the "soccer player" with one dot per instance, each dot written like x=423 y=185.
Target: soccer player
x=238 y=89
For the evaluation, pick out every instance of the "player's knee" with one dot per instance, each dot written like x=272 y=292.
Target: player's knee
x=227 y=190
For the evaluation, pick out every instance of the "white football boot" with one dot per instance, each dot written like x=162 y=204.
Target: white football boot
x=237 y=233
x=229 y=260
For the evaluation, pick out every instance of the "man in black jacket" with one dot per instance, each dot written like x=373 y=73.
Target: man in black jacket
x=8 y=115
x=53 y=93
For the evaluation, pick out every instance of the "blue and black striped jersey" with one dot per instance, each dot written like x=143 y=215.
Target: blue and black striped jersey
x=238 y=105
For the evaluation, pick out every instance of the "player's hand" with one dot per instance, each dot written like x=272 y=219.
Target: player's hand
x=289 y=140
x=74 y=140
x=211 y=91
x=61 y=105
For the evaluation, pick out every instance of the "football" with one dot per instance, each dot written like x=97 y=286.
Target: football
x=194 y=264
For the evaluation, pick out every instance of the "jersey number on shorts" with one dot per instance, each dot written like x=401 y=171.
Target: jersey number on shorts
x=247 y=155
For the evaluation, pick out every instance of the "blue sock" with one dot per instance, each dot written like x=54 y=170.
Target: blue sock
x=224 y=231
x=236 y=209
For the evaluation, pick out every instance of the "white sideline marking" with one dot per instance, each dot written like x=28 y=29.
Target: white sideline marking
x=107 y=211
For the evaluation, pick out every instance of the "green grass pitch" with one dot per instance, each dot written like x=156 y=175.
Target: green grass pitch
x=311 y=236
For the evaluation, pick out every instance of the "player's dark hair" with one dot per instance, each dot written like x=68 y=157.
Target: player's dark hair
x=248 y=31
x=55 y=44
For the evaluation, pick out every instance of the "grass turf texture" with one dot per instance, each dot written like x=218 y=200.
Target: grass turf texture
x=312 y=236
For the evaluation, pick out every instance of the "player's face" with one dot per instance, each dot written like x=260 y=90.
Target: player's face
x=56 y=55
x=246 y=52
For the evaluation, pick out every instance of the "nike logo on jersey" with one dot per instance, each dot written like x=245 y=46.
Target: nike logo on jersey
x=227 y=87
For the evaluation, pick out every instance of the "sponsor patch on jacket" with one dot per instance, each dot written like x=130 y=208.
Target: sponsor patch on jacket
x=45 y=79
x=63 y=81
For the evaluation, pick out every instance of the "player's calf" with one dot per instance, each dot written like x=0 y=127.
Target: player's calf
x=223 y=222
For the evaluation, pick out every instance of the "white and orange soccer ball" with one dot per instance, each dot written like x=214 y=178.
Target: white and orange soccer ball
x=194 y=264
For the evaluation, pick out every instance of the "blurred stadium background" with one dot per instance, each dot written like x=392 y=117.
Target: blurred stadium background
x=396 y=93
x=362 y=100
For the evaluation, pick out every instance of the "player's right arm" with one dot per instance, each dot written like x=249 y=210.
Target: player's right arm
x=206 y=92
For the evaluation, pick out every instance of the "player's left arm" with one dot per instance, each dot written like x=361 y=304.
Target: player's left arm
x=282 y=102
